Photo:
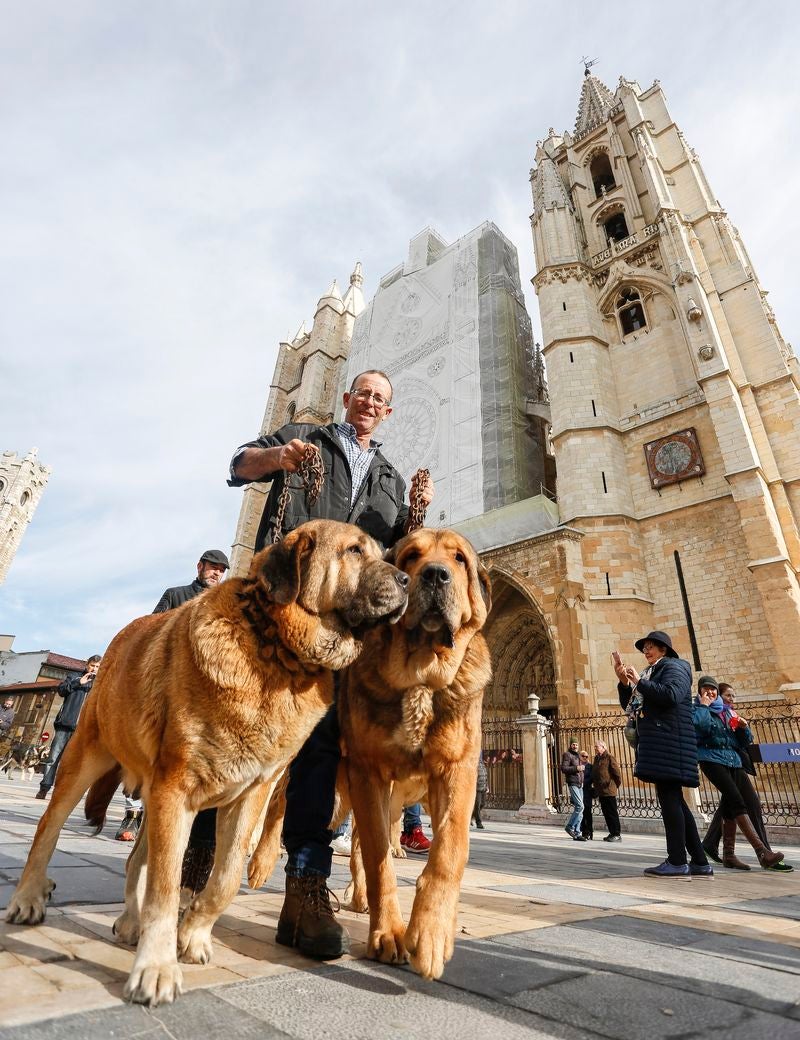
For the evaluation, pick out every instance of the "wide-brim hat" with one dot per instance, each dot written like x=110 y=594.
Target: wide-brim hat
x=216 y=556
x=657 y=637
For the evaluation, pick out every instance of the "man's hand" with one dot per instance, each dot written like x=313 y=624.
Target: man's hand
x=84 y=679
x=291 y=455
x=426 y=489
x=256 y=463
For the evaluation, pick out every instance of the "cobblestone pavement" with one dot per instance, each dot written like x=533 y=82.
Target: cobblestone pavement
x=556 y=939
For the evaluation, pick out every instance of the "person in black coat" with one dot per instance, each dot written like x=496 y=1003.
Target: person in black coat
x=74 y=690
x=587 y=826
x=211 y=569
x=660 y=699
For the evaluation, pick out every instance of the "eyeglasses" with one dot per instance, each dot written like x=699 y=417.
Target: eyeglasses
x=367 y=395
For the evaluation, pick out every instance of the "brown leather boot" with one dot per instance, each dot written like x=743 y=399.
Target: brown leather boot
x=307 y=920
x=765 y=857
x=729 y=845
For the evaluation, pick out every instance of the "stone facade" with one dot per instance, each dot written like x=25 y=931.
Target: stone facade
x=22 y=484
x=655 y=324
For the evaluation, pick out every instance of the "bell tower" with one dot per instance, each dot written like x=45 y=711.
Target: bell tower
x=675 y=403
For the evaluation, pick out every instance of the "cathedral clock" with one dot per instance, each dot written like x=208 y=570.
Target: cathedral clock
x=674 y=458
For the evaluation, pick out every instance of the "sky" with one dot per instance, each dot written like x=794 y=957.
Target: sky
x=181 y=182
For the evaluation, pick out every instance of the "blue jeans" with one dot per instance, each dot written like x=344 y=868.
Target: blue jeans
x=310 y=796
x=412 y=817
x=61 y=738
x=576 y=797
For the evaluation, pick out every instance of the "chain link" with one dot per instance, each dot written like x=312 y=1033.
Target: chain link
x=312 y=473
x=416 y=506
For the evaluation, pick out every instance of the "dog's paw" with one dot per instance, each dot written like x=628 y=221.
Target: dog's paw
x=429 y=946
x=261 y=865
x=154 y=984
x=29 y=903
x=387 y=945
x=126 y=928
x=355 y=899
x=398 y=852
x=194 y=942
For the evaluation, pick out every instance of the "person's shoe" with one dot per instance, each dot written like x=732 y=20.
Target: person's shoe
x=42 y=793
x=480 y=826
x=612 y=837
x=416 y=842
x=712 y=853
x=570 y=831
x=782 y=868
x=307 y=921
x=129 y=827
x=342 y=845
x=198 y=862
x=702 y=871
x=669 y=870
x=579 y=837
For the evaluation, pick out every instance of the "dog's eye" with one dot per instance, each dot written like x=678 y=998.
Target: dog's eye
x=410 y=556
x=461 y=558
x=356 y=549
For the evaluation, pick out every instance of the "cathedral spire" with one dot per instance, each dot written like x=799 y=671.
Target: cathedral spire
x=354 y=298
x=332 y=298
x=595 y=103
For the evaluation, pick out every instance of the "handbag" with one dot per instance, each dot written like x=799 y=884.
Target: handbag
x=631 y=730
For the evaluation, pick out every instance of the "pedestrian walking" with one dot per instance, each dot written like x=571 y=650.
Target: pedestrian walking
x=572 y=769
x=74 y=690
x=481 y=790
x=606 y=781
x=587 y=825
x=659 y=702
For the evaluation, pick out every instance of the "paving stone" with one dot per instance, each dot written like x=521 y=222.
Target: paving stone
x=774 y=906
x=492 y=971
x=573 y=894
x=362 y=1001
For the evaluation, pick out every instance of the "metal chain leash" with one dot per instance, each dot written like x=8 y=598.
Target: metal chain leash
x=416 y=505
x=312 y=473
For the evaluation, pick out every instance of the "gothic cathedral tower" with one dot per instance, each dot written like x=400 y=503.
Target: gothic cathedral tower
x=22 y=484
x=675 y=403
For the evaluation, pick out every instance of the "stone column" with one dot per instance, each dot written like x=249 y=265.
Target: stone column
x=534 y=728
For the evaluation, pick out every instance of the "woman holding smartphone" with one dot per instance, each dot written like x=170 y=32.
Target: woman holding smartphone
x=666 y=754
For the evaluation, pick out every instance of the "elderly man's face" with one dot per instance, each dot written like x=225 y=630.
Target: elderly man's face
x=8 y=703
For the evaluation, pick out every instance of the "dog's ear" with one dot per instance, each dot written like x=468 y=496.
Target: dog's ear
x=485 y=584
x=283 y=566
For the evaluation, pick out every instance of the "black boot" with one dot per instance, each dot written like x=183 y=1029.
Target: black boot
x=198 y=862
x=307 y=919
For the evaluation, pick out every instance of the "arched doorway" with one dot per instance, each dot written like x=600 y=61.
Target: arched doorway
x=522 y=665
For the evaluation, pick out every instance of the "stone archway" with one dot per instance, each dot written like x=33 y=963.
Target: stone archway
x=522 y=654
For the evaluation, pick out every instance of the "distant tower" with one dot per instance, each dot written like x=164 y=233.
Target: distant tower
x=22 y=483
x=305 y=388
x=675 y=405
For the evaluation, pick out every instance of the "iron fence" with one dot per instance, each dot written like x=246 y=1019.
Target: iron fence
x=777 y=783
x=502 y=755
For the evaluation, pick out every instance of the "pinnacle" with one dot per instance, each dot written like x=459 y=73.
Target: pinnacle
x=596 y=101
x=357 y=277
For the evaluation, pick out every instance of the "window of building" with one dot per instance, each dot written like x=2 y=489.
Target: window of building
x=290 y=412
x=616 y=227
x=602 y=175
x=631 y=312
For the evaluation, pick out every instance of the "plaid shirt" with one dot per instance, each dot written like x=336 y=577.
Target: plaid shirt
x=358 y=459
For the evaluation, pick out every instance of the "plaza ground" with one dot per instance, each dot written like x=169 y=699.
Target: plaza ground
x=556 y=939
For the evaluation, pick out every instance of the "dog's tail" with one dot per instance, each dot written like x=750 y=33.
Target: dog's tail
x=99 y=797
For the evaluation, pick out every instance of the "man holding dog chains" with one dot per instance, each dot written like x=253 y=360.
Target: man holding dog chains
x=361 y=487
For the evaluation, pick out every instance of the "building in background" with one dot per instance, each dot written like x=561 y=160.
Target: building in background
x=22 y=483
x=31 y=679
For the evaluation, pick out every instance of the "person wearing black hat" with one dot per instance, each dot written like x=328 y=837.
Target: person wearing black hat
x=660 y=700
x=211 y=569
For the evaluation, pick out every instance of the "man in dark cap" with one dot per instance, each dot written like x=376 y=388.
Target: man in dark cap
x=211 y=569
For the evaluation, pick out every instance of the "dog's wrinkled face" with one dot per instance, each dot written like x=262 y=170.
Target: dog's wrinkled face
x=334 y=582
x=449 y=588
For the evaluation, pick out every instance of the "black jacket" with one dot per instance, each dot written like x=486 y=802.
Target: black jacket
x=379 y=509
x=571 y=768
x=74 y=695
x=667 y=748
x=178 y=595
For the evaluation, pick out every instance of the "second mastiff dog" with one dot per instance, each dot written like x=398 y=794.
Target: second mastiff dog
x=204 y=706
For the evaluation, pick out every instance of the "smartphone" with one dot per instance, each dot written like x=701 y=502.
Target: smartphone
x=616 y=660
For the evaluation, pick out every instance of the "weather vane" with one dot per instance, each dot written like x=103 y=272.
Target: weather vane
x=587 y=64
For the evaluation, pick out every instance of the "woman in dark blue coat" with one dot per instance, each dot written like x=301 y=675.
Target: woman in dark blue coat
x=660 y=699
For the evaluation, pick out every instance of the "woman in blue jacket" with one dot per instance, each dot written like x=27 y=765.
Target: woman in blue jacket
x=660 y=699
x=718 y=754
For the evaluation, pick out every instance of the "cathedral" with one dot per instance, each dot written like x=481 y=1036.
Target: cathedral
x=22 y=484
x=654 y=481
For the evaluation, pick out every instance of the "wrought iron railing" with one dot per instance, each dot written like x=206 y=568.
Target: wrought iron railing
x=777 y=783
x=502 y=755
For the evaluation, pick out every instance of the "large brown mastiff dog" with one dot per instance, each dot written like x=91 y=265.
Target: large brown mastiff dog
x=410 y=715
x=202 y=707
